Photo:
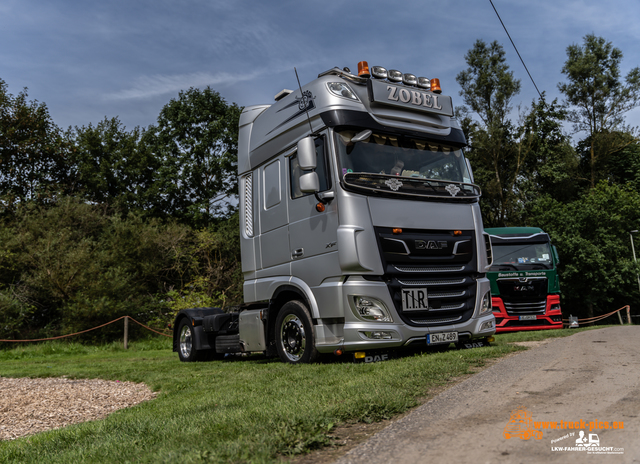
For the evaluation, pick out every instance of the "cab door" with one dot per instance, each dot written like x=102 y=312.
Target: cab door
x=312 y=233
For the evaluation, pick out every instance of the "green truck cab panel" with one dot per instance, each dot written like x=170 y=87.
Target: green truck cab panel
x=523 y=252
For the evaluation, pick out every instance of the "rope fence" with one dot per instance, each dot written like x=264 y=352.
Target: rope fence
x=126 y=326
x=590 y=320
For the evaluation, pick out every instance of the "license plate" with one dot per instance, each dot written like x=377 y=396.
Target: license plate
x=444 y=337
x=528 y=318
x=414 y=299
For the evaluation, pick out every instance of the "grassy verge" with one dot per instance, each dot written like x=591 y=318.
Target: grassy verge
x=241 y=410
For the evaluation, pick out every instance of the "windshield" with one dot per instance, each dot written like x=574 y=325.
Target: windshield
x=375 y=157
x=522 y=256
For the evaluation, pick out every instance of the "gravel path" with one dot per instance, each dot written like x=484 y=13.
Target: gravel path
x=590 y=376
x=29 y=406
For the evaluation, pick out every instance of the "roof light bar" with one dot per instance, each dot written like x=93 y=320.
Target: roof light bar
x=409 y=79
x=424 y=83
x=379 y=72
x=395 y=75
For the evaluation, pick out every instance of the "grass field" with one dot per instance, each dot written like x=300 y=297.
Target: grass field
x=237 y=410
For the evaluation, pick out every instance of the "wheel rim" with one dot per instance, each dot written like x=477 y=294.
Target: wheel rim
x=293 y=338
x=186 y=341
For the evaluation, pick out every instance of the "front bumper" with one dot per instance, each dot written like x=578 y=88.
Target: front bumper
x=551 y=319
x=356 y=335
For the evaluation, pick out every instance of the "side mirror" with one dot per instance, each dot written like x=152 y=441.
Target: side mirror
x=307 y=154
x=309 y=182
x=555 y=252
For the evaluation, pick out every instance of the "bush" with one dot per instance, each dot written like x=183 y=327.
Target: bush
x=73 y=266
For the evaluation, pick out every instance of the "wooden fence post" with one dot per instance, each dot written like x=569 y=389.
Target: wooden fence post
x=126 y=332
x=629 y=314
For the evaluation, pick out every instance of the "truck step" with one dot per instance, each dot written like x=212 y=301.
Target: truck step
x=228 y=344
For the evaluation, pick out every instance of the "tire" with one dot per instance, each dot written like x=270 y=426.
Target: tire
x=295 y=334
x=187 y=345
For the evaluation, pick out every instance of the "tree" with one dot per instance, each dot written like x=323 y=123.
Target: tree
x=487 y=84
x=32 y=150
x=114 y=167
x=549 y=161
x=598 y=98
x=487 y=89
x=597 y=272
x=196 y=142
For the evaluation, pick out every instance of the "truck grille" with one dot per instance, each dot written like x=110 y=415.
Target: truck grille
x=525 y=295
x=442 y=263
x=533 y=307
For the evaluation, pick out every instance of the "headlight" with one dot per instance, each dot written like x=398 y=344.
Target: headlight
x=342 y=90
x=370 y=309
x=486 y=304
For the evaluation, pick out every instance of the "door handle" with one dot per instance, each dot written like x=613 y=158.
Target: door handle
x=298 y=253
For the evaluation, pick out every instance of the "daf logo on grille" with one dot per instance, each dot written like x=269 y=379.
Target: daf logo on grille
x=430 y=245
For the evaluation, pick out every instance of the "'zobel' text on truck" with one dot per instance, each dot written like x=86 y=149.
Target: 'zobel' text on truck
x=360 y=226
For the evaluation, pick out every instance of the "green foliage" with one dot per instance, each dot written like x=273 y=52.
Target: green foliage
x=598 y=98
x=597 y=271
x=111 y=166
x=487 y=84
x=72 y=266
x=512 y=163
x=32 y=150
x=196 y=141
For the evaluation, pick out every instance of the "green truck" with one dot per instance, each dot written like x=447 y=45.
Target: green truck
x=525 y=288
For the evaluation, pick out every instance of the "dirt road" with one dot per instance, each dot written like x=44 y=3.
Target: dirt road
x=592 y=376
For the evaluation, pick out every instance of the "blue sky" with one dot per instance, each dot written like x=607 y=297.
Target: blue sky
x=87 y=59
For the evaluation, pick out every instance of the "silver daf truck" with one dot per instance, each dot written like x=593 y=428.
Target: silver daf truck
x=360 y=226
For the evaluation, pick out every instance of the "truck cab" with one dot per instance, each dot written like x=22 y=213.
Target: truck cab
x=360 y=226
x=524 y=279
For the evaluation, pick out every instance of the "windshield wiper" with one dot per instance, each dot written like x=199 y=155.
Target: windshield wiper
x=430 y=183
x=506 y=264
x=544 y=266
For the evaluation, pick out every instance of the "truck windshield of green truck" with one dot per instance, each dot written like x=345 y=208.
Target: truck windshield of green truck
x=522 y=256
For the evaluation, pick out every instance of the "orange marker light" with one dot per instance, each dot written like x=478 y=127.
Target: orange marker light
x=320 y=207
x=435 y=86
x=397 y=231
x=363 y=69
x=457 y=232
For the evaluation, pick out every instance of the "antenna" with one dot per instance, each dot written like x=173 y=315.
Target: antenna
x=306 y=108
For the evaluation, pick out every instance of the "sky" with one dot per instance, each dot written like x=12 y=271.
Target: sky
x=88 y=60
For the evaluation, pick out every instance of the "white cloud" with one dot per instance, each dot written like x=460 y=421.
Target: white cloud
x=152 y=86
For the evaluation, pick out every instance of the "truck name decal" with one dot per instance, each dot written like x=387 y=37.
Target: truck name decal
x=430 y=245
x=413 y=96
x=376 y=358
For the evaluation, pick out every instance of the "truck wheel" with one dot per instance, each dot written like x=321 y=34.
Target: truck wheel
x=186 y=342
x=295 y=335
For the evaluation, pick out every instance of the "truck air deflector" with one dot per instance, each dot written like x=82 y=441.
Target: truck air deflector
x=362 y=119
